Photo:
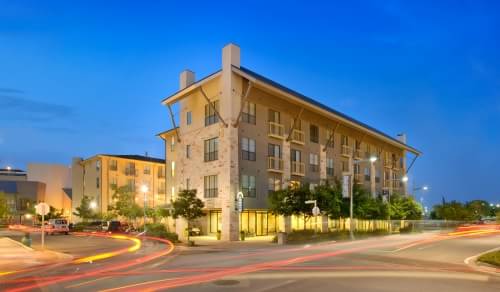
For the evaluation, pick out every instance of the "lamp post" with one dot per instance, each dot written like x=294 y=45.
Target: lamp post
x=144 y=190
x=372 y=160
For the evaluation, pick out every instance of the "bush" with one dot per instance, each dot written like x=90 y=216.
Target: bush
x=160 y=230
x=492 y=258
x=303 y=236
x=79 y=227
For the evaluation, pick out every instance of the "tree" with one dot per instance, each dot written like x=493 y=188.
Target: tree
x=405 y=207
x=453 y=210
x=4 y=207
x=84 y=211
x=187 y=206
x=124 y=204
x=53 y=214
x=478 y=209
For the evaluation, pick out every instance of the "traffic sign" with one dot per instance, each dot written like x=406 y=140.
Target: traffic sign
x=316 y=211
x=346 y=185
x=42 y=208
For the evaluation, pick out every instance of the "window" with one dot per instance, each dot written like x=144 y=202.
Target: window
x=330 y=141
x=113 y=165
x=172 y=192
x=188 y=184
x=131 y=185
x=161 y=189
x=329 y=166
x=210 y=114
x=172 y=170
x=344 y=140
x=274 y=150
x=248 y=149
x=312 y=186
x=367 y=174
x=377 y=176
x=188 y=118
x=210 y=186
x=97 y=182
x=357 y=169
x=112 y=183
x=188 y=151
x=345 y=166
x=314 y=133
x=161 y=172
x=147 y=169
x=172 y=144
x=313 y=162
x=130 y=168
x=98 y=165
x=274 y=183
x=294 y=184
x=212 y=149
x=296 y=155
x=248 y=186
x=358 y=145
x=248 y=113
x=274 y=116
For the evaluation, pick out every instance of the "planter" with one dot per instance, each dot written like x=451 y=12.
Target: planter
x=242 y=235
x=219 y=235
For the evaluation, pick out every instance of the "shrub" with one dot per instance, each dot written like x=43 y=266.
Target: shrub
x=160 y=230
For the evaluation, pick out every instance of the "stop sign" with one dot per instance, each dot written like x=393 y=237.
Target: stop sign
x=42 y=208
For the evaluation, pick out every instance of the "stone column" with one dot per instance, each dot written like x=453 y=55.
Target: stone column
x=286 y=164
x=373 y=183
x=285 y=224
x=322 y=165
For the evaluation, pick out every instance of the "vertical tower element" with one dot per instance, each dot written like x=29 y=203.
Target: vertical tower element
x=231 y=86
x=186 y=78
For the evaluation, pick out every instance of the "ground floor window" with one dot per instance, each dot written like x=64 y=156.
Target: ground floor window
x=215 y=223
x=258 y=223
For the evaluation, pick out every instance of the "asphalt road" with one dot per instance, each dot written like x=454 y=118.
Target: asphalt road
x=418 y=262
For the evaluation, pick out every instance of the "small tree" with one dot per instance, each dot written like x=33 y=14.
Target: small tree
x=125 y=205
x=84 y=211
x=4 y=208
x=187 y=206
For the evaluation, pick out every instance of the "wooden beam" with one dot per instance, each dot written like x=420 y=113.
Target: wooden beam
x=331 y=137
x=243 y=100
x=173 y=123
x=294 y=124
x=212 y=106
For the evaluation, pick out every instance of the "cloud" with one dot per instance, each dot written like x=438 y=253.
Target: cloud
x=14 y=108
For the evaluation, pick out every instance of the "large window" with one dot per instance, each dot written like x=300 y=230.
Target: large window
x=210 y=115
x=248 y=186
x=274 y=150
x=274 y=116
x=296 y=155
x=313 y=162
x=329 y=166
x=248 y=149
x=210 y=186
x=248 y=113
x=344 y=140
x=212 y=149
x=314 y=133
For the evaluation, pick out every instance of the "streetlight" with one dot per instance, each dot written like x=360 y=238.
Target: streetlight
x=93 y=205
x=144 y=190
x=9 y=168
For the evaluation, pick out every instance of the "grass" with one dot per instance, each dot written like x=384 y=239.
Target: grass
x=492 y=258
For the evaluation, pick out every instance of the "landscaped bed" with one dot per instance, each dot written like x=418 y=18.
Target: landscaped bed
x=492 y=258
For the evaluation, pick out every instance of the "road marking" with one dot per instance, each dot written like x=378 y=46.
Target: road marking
x=85 y=283
x=278 y=285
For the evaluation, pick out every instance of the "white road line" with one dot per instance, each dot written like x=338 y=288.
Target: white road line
x=278 y=285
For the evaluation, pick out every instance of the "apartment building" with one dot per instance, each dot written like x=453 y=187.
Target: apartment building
x=238 y=131
x=97 y=176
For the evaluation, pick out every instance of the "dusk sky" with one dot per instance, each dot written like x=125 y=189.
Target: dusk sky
x=79 y=78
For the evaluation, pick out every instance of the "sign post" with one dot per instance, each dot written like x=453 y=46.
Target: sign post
x=43 y=209
x=315 y=212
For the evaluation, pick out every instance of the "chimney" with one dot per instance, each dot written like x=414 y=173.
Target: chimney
x=402 y=138
x=230 y=56
x=186 y=78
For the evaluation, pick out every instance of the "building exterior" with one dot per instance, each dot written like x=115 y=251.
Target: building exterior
x=240 y=131
x=57 y=180
x=21 y=196
x=96 y=176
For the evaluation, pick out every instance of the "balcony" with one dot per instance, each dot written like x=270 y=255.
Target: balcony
x=275 y=164
x=298 y=168
x=346 y=151
x=298 y=137
x=387 y=184
x=276 y=130
x=359 y=178
x=395 y=165
x=130 y=171
x=388 y=163
x=396 y=184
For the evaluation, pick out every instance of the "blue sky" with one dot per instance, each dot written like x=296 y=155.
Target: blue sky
x=85 y=77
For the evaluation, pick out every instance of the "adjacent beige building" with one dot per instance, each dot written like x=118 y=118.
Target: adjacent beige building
x=240 y=131
x=96 y=176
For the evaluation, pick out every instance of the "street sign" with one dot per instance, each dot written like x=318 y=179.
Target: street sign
x=346 y=185
x=310 y=202
x=239 y=202
x=42 y=208
x=316 y=211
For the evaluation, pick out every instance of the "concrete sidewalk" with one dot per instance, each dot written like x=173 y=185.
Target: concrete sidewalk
x=15 y=256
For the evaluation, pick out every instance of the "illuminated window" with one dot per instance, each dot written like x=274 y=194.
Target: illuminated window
x=172 y=173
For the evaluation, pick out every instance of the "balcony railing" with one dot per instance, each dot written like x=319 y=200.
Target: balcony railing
x=276 y=130
x=298 y=168
x=274 y=164
x=298 y=137
x=388 y=162
x=346 y=150
x=396 y=184
x=358 y=154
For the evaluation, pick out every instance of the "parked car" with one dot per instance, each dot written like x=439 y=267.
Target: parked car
x=117 y=227
x=57 y=226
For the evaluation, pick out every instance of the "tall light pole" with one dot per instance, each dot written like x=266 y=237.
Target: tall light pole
x=144 y=190
x=372 y=160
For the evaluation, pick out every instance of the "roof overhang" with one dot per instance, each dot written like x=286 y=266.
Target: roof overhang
x=190 y=89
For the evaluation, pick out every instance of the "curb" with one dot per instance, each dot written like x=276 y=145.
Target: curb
x=19 y=244
x=483 y=267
